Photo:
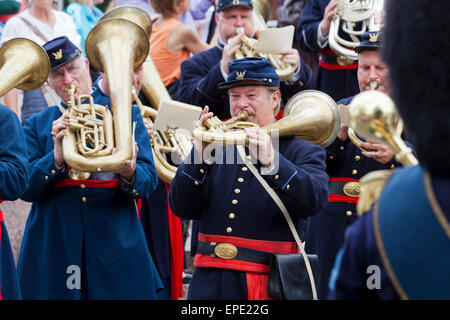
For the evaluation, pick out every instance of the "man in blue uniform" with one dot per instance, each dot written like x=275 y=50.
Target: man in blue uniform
x=336 y=75
x=13 y=181
x=399 y=249
x=233 y=209
x=201 y=74
x=346 y=164
x=83 y=238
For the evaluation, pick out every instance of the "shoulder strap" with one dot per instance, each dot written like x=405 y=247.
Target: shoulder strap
x=34 y=29
x=283 y=209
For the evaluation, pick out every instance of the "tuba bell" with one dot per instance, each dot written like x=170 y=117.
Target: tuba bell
x=24 y=65
x=116 y=47
x=151 y=84
x=309 y=115
x=350 y=13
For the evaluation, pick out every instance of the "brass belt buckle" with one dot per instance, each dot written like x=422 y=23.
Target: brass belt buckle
x=352 y=189
x=344 y=61
x=75 y=174
x=226 y=251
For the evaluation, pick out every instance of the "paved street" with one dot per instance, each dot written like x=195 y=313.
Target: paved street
x=15 y=214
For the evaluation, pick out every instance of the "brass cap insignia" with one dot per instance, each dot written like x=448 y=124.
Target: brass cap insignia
x=58 y=54
x=373 y=37
x=240 y=75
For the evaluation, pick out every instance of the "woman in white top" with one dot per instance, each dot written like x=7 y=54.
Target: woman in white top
x=40 y=23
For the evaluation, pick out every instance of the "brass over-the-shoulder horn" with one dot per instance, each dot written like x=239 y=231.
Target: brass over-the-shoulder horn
x=115 y=47
x=24 y=65
x=309 y=115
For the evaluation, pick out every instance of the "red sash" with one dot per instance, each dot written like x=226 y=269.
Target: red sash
x=108 y=184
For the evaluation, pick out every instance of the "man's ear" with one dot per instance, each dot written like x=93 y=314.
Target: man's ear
x=276 y=101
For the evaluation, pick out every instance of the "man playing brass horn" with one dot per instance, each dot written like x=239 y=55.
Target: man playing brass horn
x=83 y=238
x=201 y=74
x=236 y=215
x=346 y=164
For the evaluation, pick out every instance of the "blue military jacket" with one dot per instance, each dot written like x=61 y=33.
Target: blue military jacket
x=410 y=257
x=228 y=200
x=337 y=81
x=13 y=182
x=201 y=74
x=93 y=230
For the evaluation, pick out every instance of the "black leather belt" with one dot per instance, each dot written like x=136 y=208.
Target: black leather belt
x=100 y=176
x=229 y=251
x=340 y=60
x=351 y=189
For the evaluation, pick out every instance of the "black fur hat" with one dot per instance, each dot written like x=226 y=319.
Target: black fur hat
x=416 y=47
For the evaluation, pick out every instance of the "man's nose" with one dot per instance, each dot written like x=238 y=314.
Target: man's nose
x=67 y=77
x=372 y=73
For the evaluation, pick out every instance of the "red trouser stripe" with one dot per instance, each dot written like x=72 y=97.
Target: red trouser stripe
x=176 y=252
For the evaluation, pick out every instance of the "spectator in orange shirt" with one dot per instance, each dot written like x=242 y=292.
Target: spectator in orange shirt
x=172 y=42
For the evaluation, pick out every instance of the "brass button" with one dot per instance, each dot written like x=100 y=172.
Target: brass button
x=354 y=172
x=231 y=216
x=288 y=187
x=202 y=171
x=134 y=190
x=249 y=157
x=234 y=201
x=46 y=177
x=53 y=172
x=276 y=177
x=244 y=169
x=392 y=166
x=241 y=180
x=229 y=230
x=196 y=183
x=82 y=186
x=237 y=191
x=349 y=213
x=341 y=147
x=357 y=158
x=301 y=84
x=136 y=194
x=331 y=157
x=84 y=199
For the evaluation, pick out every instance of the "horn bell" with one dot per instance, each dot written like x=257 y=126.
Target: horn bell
x=309 y=115
x=24 y=65
x=373 y=115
